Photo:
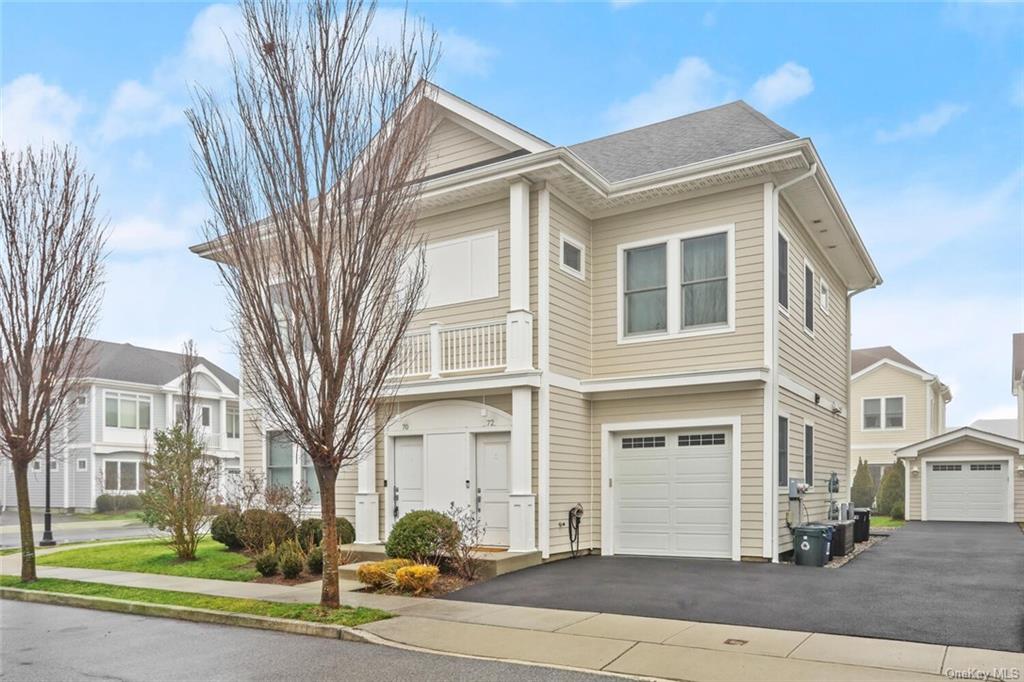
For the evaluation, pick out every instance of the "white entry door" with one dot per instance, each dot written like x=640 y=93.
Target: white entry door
x=968 y=491
x=492 y=480
x=448 y=474
x=672 y=492
x=408 y=488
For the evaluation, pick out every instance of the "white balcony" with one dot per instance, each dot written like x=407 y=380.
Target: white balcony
x=444 y=350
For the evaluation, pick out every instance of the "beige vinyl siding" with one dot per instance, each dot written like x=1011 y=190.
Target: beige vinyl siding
x=913 y=510
x=746 y=403
x=570 y=344
x=453 y=146
x=883 y=382
x=819 y=361
x=488 y=217
x=742 y=348
x=831 y=453
x=575 y=470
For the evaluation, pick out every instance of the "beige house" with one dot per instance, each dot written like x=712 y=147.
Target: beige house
x=653 y=325
x=893 y=402
x=967 y=474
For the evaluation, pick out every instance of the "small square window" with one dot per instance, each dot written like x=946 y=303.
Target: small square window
x=572 y=256
x=37 y=465
x=54 y=465
x=80 y=401
x=82 y=465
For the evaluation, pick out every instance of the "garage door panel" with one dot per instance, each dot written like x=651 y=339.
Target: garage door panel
x=645 y=515
x=967 y=491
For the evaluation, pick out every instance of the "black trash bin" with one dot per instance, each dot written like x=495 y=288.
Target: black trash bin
x=811 y=545
x=862 y=524
x=842 y=537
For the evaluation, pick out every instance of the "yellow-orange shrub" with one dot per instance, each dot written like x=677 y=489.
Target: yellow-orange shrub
x=416 y=579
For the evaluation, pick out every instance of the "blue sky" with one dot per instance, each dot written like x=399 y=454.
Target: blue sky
x=917 y=110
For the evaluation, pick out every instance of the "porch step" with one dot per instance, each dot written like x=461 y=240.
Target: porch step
x=351 y=571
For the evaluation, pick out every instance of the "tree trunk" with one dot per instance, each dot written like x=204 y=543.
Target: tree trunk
x=28 y=544
x=327 y=480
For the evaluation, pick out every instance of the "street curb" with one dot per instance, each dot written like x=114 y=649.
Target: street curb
x=295 y=627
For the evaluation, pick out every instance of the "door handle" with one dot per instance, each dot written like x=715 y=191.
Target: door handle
x=467 y=484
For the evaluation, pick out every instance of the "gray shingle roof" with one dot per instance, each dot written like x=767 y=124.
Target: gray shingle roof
x=862 y=358
x=727 y=129
x=125 y=362
x=1000 y=427
x=1018 y=356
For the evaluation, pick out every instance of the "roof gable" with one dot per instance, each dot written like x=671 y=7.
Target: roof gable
x=957 y=435
x=125 y=362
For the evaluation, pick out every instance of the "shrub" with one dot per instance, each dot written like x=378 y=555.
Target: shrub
x=346 y=533
x=117 y=503
x=891 y=491
x=381 y=573
x=290 y=563
x=416 y=579
x=461 y=540
x=896 y=511
x=315 y=561
x=260 y=529
x=420 y=536
x=225 y=529
x=280 y=527
x=863 y=492
x=129 y=503
x=266 y=562
x=106 y=503
x=309 y=533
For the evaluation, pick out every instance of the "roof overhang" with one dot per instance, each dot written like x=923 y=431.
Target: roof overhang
x=963 y=433
x=886 y=362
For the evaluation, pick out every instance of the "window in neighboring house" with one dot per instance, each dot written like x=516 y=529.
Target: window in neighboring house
x=572 y=256
x=809 y=454
x=80 y=401
x=127 y=411
x=233 y=428
x=37 y=465
x=54 y=465
x=783 y=452
x=309 y=478
x=123 y=476
x=461 y=270
x=872 y=413
x=645 y=290
x=894 y=413
x=205 y=415
x=808 y=298
x=82 y=465
x=824 y=296
x=129 y=479
x=783 y=273
x=279 y=459
x=705 y=281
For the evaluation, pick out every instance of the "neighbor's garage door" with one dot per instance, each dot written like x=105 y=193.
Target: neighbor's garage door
x=672 y=493
x=967 y=491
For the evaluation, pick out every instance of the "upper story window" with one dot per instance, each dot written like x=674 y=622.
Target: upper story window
x=783 y=273
x=460 y=270
x=677 y=286
x=808 y=298
x=882 y=413
x=233 y=429
x=572 y=256
x=205 y=415
x=127 y=410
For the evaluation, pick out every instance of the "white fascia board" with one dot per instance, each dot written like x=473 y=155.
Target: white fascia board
x=486 y=120
x=472 y=383
x=175 y=384
x=964 y=432
x=892 y=363
x=634 y=383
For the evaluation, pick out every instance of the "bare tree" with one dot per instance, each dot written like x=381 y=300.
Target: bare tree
x=187 y=408
x=51 y=277
x=312 y=171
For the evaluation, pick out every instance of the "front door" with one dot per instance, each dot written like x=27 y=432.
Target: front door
x=448 y=479
x=492 y=486
x=408 y=489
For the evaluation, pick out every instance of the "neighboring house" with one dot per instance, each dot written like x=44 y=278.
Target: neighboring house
x=894 y=402
x=129 y=394
x=967 y=474
x=638 y=323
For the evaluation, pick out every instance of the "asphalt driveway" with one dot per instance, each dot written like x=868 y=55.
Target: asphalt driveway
x=942 y=583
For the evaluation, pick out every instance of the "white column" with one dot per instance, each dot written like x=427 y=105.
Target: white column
x=367 y=499
x=519 y=245
x=169 y=409
x=544 y=363
x=522 y=503
x=222 y=438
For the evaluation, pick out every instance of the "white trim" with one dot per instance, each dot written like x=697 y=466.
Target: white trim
x=636 y=383
x=486 y=120
x=119 y=491
x=673 y=286
x=483 y=382
x=564 y=239
x=544 y=360
x=770 y=396
x=914 y=449
x=882 y=406
x=775 y=267
x=78 y=464
x=519 y=245
x=892 y=363
x=929 y=398
x=824 y=295
x=607 y=447
x=926 y=459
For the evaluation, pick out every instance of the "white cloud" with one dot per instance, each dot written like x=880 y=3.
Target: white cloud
x=460 y=54
x=150 y=231
x=924 y=125
x=692 y=86
x=136 y=110
x=786 y=84
x=33 y=111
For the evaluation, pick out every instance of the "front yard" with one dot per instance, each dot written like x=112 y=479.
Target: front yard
x=886 y=522
x=156 y=556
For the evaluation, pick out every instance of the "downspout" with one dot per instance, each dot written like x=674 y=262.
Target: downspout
x=773 y=370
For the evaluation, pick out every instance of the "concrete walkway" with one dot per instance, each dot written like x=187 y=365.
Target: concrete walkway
x=627 y=645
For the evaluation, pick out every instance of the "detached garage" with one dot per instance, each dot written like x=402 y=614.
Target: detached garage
x=965 y=475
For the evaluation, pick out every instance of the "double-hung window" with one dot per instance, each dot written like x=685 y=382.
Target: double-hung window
x=677 y=286
x=783 y=273
x=233 y=429
x=808 y=298
x=280 y=460
x=809 y=454
x=127 y=410
x=122 y=476
x=783 y=452
x=882 y=413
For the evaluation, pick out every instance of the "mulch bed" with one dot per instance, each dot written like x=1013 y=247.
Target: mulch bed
x=858 y=548
x=445 y=584
x=281 y=580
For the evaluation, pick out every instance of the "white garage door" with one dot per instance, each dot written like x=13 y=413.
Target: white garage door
x=672 y=493
x=967 y=491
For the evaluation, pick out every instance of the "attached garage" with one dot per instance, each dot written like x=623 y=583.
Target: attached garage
x=673 y=490
x=964 y=475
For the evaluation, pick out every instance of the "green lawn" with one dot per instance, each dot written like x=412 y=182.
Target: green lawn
x=109 y=516
x=155 y=556
x=346 y=615
x=885 y=522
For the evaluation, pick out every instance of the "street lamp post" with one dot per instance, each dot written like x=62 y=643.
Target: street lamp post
x=47 y=540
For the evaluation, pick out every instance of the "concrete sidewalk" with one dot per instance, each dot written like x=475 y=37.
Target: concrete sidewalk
x=626 y=645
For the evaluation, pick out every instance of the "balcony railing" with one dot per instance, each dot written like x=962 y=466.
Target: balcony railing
x=479 y=346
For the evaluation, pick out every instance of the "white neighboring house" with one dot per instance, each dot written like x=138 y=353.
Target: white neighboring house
x=129 y=394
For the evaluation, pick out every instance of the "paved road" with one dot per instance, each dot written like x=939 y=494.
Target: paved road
x=41 y=642
x=71 y=528
x=936 y=582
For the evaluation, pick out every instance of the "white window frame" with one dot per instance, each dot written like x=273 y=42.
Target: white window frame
x=564 y=239
x=233 y=414
x=882 y=399
x=82 y=464
x=118 y=490
x=673 y=282
x=808 y=291
x=824 y=294
x=297 y=465
x=206 y=415
x=809 y=424
x=138 y=397
x=789 y=448
x=783 y=276
x=469 y=238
